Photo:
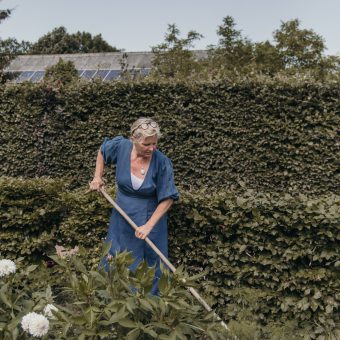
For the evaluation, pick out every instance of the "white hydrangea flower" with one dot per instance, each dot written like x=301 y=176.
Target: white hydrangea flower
x=7 y=267
x=39 y=326
x=35 y=324
x=48 y=311
x=26 y=321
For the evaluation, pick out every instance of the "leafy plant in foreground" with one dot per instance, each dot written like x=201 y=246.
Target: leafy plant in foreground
x=118 y=304
x=95 y=304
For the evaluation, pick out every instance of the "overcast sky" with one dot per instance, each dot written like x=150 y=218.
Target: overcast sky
x=136 y=25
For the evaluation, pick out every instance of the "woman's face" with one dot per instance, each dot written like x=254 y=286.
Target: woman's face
x=146 y=146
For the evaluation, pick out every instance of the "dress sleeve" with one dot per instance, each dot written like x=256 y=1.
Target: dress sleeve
x=166 y=187
x=109 y=149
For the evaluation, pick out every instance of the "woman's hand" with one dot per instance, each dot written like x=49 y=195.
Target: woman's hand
x=96 y=183
x=143 y=231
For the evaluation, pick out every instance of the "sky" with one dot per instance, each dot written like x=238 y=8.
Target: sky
x=136 y=25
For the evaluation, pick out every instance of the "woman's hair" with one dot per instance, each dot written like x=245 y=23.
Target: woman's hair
x=144 y=127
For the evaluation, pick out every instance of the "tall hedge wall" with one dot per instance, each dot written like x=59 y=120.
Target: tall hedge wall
x=266 y=135
x=276 y=254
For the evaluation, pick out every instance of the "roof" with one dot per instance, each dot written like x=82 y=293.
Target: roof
x=107 y=66
x=85 y=61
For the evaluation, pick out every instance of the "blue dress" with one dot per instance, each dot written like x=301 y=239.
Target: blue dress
x=139 y=204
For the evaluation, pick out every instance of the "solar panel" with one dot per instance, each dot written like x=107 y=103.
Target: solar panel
x=26 y=75
x=145 y=71
x=101 y=74
x=88 y=74
x=106 y=75
x=38 y=75
x=113 y=74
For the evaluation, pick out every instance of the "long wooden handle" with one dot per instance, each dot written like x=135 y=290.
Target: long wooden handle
x=159 y=253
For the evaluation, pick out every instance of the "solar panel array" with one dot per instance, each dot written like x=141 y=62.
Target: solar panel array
x=105 y=75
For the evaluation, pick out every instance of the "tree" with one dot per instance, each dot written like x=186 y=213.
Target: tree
x=229 y=37
x=267 y=59
x=12 y=46
x=9 y=49
x=233 y=52
x=172 y=57
x=60 y=42
x=61 y=73
x=5 y=57
x=298 y=48
x=295 y=50
x=4 y=14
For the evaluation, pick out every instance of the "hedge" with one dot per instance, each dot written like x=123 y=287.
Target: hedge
x=270 y=136
x=277 y=255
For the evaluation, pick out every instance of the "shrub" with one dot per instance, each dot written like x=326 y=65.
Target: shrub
x=271 y=256
x=104 y=305
x=62 y=72
x=273 y=136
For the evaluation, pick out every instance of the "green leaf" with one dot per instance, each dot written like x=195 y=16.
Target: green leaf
x=31 y=268
x=317 y=295
x=78 y=320
x=151 y=333
x=146 y=305
x=14 y=323
x=5 y=299
x=329 y=309
x=66 y=328
x=106 y=248
x=127 y=323
x=133 y=335
x=58 y=260
x=79 y=266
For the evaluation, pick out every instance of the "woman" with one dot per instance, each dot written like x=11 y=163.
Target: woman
x=146 y=191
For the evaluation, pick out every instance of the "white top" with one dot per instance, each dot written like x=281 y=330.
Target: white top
x=136 y=182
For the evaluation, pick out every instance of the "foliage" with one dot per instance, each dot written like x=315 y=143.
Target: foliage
x=4 y=57
x=58 y=41
x=233 y=52
x=13 y=46
x=129 y=72
x=62 y=72
x=269 y=256
x=267 y=58
x=9 y=49
x=295 y=52
x=270 y=259
x=20 y=294
x=38 y=212
x=95 y=304
x=271 y=135
x=300 y=48
x=106 y=302
x=173 y=58
x=4 y=14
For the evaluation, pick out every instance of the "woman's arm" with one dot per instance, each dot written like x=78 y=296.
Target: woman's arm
x=144 y=230
x=97 y=181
